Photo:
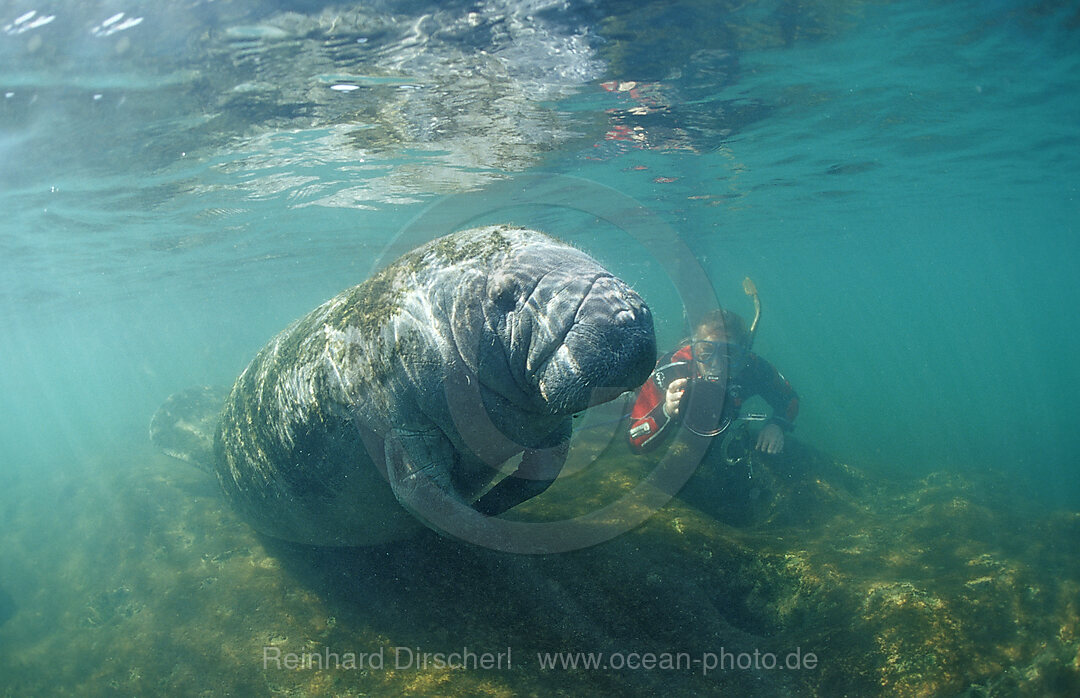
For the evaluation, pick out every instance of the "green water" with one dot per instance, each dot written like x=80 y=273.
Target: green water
x=899 y=179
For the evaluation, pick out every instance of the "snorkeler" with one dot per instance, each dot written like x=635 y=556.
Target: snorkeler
x=705 y=382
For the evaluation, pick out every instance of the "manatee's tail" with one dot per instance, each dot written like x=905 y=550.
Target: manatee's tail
x=185 y=425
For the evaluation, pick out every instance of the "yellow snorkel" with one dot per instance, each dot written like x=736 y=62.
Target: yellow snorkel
x=750 y=289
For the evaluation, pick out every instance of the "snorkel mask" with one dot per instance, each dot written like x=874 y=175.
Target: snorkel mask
x=717 y=361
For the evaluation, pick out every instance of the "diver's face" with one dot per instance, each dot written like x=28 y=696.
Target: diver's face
x=713 y=357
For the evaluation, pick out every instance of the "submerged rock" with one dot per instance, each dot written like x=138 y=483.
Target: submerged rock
x=827 y=581
x=946 y=585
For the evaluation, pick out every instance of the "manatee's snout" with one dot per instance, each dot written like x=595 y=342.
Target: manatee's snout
x=621 y=324
x=609 y=349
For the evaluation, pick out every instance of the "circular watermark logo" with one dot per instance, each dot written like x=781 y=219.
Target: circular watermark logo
x=547 y=197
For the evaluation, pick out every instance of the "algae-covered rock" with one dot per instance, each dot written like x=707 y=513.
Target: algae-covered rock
x=933 y=587
x=947 y=585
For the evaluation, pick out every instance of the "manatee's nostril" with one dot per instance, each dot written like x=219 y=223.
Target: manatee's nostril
x=633 y=313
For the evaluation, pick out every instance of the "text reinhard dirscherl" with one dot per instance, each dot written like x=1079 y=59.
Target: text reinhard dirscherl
x=413 y=658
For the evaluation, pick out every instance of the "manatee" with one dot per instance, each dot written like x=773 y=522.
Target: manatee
x=400 y=401
x=185 y=425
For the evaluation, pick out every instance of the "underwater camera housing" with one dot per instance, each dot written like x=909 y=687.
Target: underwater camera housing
x=704 y=399
x=705 y=396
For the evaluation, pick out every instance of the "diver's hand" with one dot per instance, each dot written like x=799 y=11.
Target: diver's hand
x=674 y=396
x=770 y=439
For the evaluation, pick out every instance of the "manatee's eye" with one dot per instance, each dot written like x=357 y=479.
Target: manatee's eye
x=503 y=290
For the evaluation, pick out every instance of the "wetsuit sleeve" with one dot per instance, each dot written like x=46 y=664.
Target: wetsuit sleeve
x=648 y=421
x=763 y=379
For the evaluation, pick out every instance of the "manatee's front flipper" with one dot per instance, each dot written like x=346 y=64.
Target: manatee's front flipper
x=538 y=469
x=418 y=466
x=184 y=426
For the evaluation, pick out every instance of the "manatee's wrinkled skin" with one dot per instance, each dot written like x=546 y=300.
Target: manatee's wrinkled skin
x=409 y=388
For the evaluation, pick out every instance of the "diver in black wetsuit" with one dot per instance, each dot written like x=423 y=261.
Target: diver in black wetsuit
x=719 y=368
